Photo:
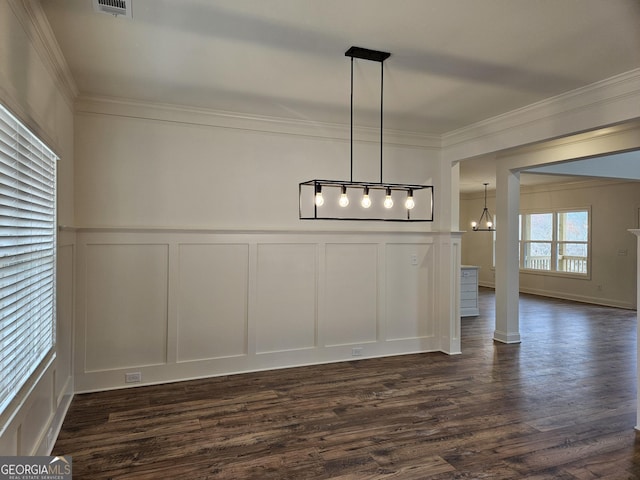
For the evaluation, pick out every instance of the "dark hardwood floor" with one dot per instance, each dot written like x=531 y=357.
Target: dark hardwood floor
x=560 y=405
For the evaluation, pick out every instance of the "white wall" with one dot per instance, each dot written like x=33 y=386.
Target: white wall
x=34 y=90
x=614 y=209
x=145 y=166
x=192 y=261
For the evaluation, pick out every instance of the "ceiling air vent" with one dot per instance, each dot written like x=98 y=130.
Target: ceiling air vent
x=114 y=7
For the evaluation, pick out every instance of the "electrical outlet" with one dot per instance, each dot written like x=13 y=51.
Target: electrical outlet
x=414 y=259
x=356 y=352
x=133 y=377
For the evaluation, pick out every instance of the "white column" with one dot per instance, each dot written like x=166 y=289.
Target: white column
x=455 y=197
x=637 y=233
x=447 y=197
x=507 y=264
x=447 y=288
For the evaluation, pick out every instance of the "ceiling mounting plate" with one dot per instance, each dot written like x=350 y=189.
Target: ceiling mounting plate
x=366 y=54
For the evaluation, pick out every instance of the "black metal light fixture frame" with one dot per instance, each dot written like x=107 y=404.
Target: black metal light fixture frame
x=312 y=189
x=485 y=215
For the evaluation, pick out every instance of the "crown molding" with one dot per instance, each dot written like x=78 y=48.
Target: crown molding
x=573 y=184
x=623 y=129
x=600 y=104
x=576 y=184
x=123 y=107
x=38 y=29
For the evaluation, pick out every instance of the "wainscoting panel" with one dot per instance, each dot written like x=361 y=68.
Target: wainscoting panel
x=64 y=316
x=286 y=297
x=126 y=305
x=212 y=301
x=351 y=285
x=177 y=304
x=39 y=412
x=409 y=311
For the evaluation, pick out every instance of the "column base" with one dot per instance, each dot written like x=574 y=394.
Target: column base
x=503 y=337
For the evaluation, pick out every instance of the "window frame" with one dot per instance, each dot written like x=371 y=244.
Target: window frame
x=523 y=243
x=554 y=243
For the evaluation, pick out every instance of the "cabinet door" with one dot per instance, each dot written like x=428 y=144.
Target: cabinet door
x=469 y=292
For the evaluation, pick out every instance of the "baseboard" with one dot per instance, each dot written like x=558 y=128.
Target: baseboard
x=48 y=441
x=605 y=302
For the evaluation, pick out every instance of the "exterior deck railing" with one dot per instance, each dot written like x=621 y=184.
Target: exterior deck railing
x=566 y=263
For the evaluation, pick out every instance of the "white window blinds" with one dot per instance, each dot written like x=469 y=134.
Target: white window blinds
x=27 y=254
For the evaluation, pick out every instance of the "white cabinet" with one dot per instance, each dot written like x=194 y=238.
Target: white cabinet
x=469 y=291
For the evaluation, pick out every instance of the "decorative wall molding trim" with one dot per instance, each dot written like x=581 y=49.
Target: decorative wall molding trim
x=198 y=116
x=47 y=441
x=600 y=104
x=569 y=113
x=552 y=187
x=217 y=304
x=603 y=103
x=580 y=145
x=37 y=27
x=216 y=231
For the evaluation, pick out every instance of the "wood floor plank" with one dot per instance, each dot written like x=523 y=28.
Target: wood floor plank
x=560 y=405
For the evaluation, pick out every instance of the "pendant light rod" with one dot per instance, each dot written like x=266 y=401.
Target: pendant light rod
x=375 y=56
x=351 y=130
x=381 y=98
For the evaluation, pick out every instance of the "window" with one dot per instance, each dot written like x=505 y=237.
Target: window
x=556 y=241
x=573 y=242
x=536 y=246
x=27 y=254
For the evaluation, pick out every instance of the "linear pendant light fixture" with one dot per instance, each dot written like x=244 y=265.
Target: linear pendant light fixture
x=353 y=200
x=486 y=217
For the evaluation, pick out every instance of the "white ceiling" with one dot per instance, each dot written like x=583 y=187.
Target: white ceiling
x=453 y=62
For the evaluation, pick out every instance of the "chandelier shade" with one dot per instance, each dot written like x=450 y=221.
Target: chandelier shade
x=357 y=200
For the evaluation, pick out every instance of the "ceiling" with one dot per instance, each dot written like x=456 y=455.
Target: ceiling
x=453 y=62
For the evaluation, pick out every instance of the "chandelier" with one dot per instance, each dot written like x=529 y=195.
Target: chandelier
x=486 y=217
x=356 y=200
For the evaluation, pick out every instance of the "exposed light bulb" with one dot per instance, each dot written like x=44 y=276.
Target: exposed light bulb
x=410 y=202
x=319 y=198
x=366 y=201
x=474 y=224
x=344 y=200
x=489 y=224
x=388 y=201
